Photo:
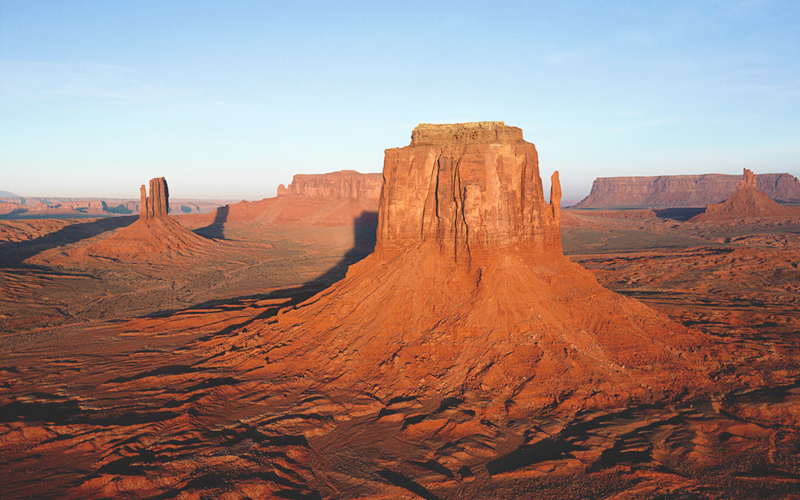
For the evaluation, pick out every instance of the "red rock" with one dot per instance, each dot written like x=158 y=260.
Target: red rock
x=155 y=232
x=468 y=292
x=332 y=199
x=157 y=204
x=682 y=190
x=748 y=201
x=469 y=188
x=342 y=185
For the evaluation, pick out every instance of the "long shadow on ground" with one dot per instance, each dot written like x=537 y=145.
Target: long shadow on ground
x=364 y=238
x=13 y=254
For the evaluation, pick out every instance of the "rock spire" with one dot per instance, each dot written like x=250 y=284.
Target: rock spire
x=157 y=204
x=748 y=180
x=747 y=202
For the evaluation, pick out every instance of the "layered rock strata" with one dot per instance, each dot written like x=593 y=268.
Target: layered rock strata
x=682 y=190
x=157 y=204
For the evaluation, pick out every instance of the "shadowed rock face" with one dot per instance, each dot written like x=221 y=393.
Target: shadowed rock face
x=470 y=188
x=157 y=204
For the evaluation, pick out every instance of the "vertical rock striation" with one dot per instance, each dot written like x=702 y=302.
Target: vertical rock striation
x=748 y=180
x=470 y=188
x=157 y=204
x=469 y=294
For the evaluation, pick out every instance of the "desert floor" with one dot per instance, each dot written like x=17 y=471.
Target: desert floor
x=109 y=385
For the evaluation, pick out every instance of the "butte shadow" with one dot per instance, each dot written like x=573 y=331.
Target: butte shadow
x=469 y=295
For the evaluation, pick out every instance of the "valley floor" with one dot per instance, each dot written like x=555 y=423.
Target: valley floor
x=111 y=385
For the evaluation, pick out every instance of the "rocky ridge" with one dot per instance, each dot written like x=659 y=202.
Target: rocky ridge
x=682 y=190
x=332 y=199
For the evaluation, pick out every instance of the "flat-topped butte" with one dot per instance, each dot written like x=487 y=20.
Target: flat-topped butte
x=426 y=134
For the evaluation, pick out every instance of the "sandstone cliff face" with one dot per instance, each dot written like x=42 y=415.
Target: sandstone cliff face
x=343 y=185
x=469 y=295
x=682 y=190
x=468 y=188
x=157 y=204
x=747 y=201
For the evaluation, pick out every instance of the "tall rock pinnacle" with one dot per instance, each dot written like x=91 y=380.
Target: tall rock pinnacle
x=157 y=204
x=748 y=181
x=747 y=201
x=472 y=188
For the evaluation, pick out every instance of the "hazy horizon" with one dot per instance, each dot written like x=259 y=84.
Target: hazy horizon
x=227 y=101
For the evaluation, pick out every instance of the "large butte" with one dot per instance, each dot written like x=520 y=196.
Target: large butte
x=468 y=294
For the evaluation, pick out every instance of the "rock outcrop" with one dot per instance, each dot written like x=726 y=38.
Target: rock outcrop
x=469 y=188
x=332 y=199
x=468 y=295
x=342 y=185
x=682 y=190
x=747 y=201
x=157 y=204
x=154 y=235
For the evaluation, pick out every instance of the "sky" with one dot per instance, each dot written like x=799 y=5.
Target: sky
x=227 y=100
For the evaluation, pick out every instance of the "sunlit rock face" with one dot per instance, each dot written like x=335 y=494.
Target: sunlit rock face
x=747 y=202
x=157 y=204
x=342 y=185
x=468 y=293
x=472 y=188
x=683 y=190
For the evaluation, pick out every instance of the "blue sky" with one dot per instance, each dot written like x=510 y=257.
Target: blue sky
x=230 y=99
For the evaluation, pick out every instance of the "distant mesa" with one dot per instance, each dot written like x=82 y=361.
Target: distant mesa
x=682 y=190
x=469 y=294
x=343 y=185
x=332 y=199
x=748 y=201
x=13 y=206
